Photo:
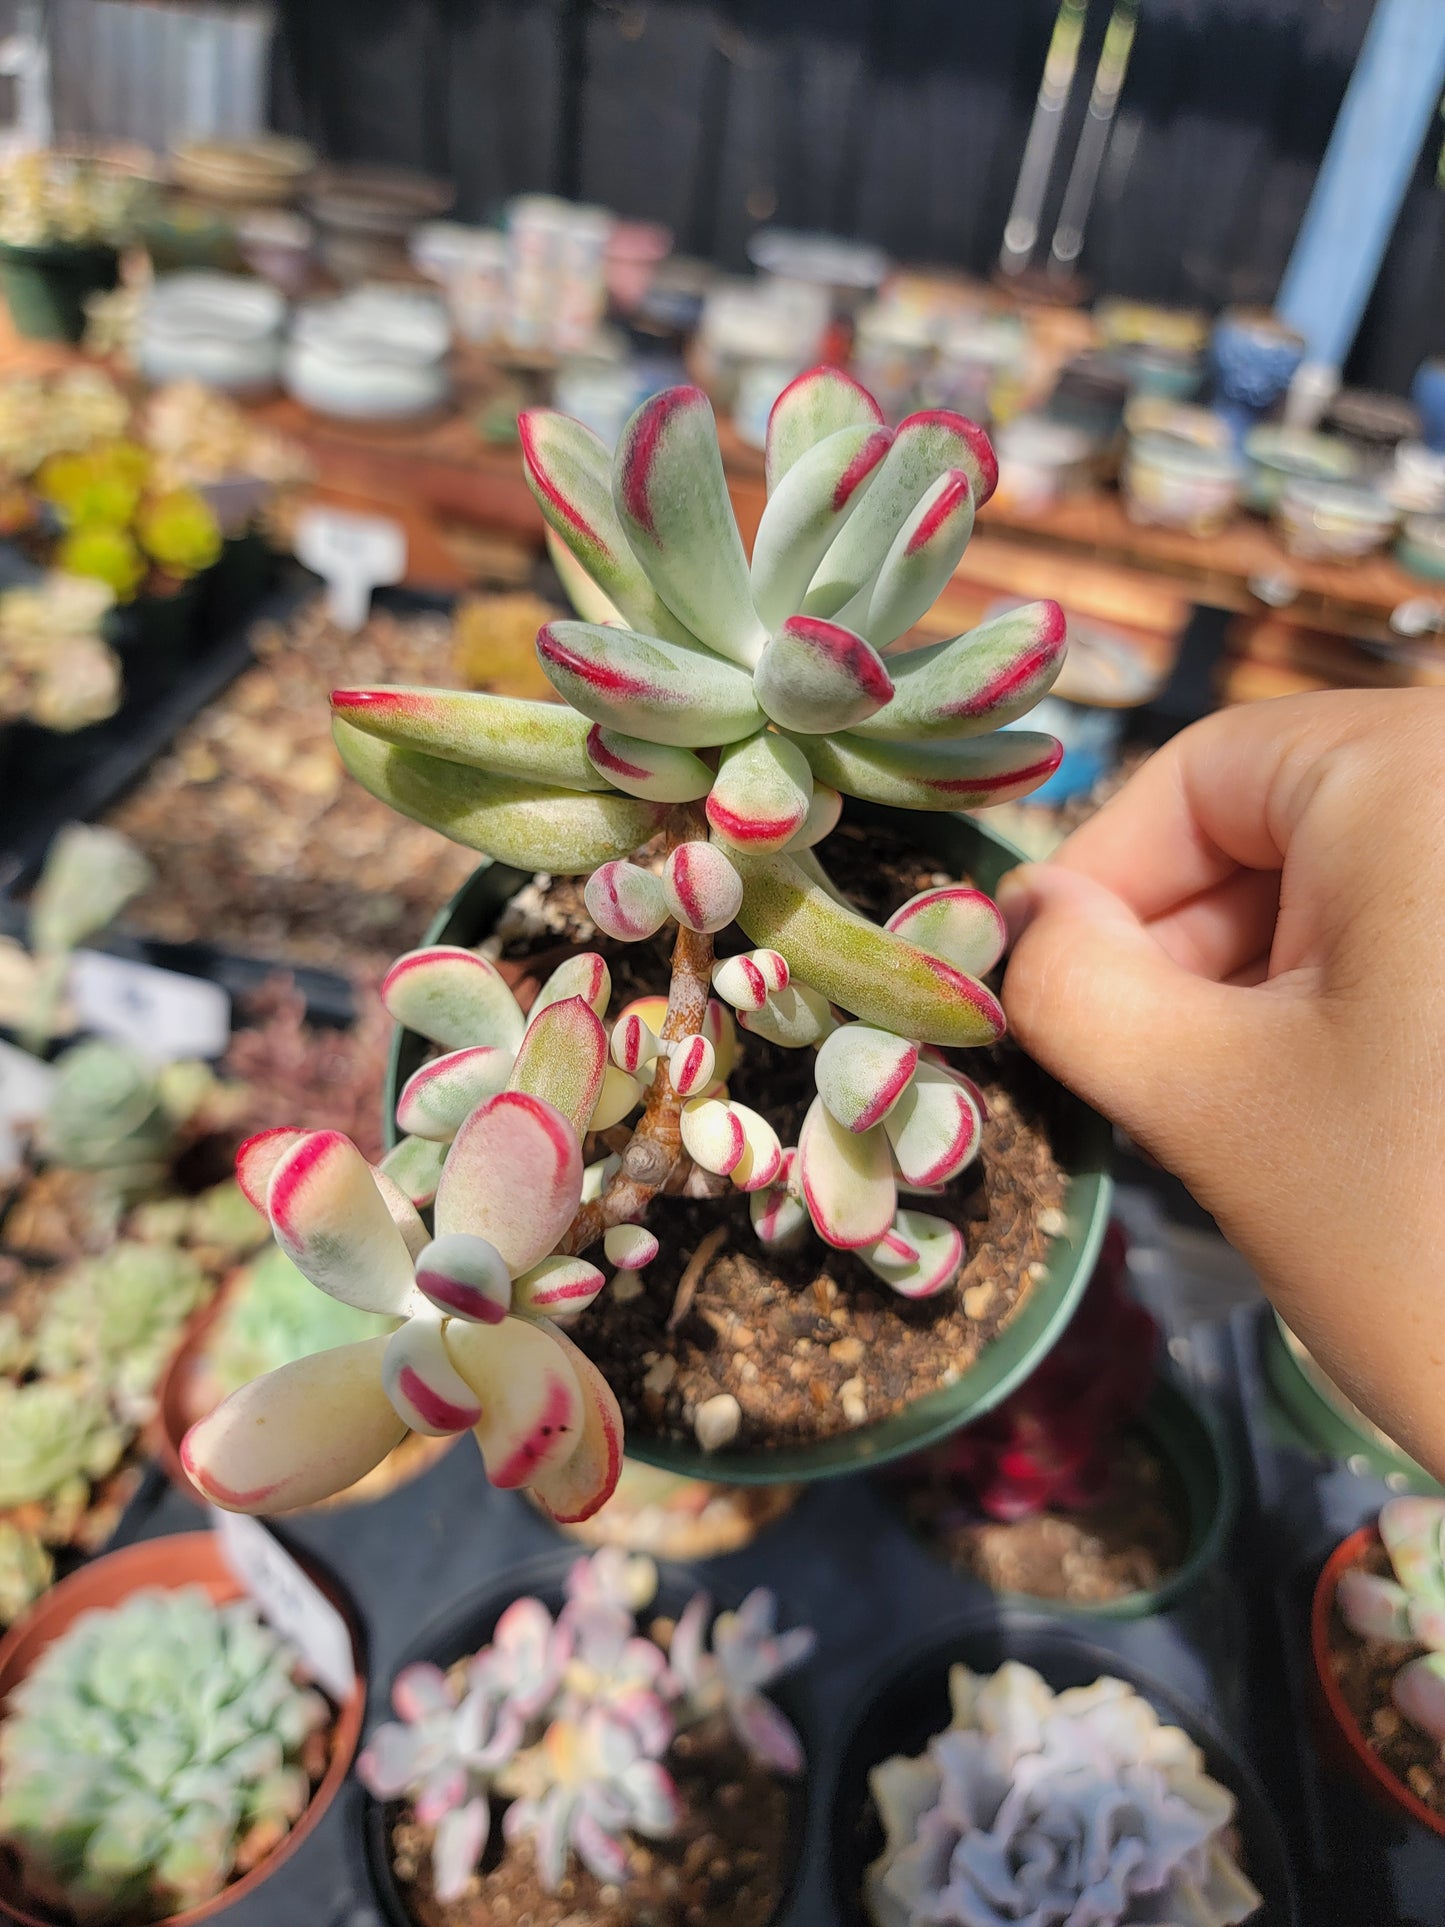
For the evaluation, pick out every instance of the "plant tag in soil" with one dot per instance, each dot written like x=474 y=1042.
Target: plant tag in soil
x=160 y=1012
x=291 y=1602
x=25 y=1087
x=353 y=554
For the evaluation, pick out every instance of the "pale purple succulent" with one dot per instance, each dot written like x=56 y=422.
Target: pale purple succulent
x=571 y=1720
x=1041 y=1810
x=748 y=1654
x=1409 y=1608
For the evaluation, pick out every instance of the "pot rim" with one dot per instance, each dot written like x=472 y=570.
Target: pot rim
x=1007 y=1359
x=1345 y=1554
x=130 y=1565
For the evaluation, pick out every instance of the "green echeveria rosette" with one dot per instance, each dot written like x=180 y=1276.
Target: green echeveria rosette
x=147 y=1744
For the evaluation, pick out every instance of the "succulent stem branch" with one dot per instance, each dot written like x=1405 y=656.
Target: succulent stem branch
x=651 y=1158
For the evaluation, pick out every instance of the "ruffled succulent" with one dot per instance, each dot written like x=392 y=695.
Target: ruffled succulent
x=1075 y=1809
x=570 y=1721
x=146 y=1746
x=1409 y=1607
x=474 y=1347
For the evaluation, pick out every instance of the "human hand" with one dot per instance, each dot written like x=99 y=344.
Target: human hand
x=1241 y=961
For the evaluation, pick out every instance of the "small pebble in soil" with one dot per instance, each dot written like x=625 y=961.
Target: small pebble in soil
x=717 y=1421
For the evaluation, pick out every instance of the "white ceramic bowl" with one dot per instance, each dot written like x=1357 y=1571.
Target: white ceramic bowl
x=221 y=329
x=376 y=355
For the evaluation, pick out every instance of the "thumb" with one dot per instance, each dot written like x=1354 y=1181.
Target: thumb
x=1103 y=1007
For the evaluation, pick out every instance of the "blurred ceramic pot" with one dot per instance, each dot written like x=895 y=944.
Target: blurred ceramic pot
x=1039 y=460
x=1139 y=324
x=1427 y=391
x=1177 y=484
x=375 y=355
x=1333 y=521
x=366 y=213
x=634 y=251
x=1416 y=484
x=1280 y=455
x=279 y=246
x=1421 y=547
x=1255 y=355
x=220 y=329
x=1379 y=421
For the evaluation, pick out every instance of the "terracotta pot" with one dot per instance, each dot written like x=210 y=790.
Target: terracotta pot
x=1355 y=1750
x=182 y=1559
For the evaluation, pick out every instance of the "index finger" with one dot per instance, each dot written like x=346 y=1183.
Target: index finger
x=1215 y=799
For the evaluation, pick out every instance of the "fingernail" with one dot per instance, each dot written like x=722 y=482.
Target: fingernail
x=1017 y=899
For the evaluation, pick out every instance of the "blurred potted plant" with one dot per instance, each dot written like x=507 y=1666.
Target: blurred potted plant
x=1096 y=1485
x=608 y=1742
x=161 y=1750
x=63 y=221
x=1377 y=1633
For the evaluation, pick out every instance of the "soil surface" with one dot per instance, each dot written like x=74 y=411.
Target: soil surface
x=1130 y=1540
x=809 y=1342
x=726 y=1867
x=1365 y=1670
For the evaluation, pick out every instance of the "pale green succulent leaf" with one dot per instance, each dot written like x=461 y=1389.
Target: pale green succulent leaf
x=672 y=500
x=879 y=977
x=924 y=554
x=815 y=676
x=975 y=682
x=504 y=735
x=804 y=513
x=818 y=404
x=646 y=686
x=934 y=776
x=760 y=798
x=526 y=824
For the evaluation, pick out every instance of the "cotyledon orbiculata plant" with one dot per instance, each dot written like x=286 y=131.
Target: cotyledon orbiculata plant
x=714 y=712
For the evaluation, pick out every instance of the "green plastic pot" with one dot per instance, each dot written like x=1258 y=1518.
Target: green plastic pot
x=1189 y=1438
x=1326 y=1423
x=964 y=848
x=46 y=287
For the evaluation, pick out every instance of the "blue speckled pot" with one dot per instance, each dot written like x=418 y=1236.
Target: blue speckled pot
x=1255 y=356
x=1428 y=394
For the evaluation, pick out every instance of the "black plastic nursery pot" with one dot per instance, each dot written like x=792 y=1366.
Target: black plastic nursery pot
x=909 y=1704
x=469 y=1625
x=965 y=847
x=46 y=287
x=1189 y=1438
x=1328 y=1422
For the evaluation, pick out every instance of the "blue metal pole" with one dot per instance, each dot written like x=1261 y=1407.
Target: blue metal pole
x=1391 y=97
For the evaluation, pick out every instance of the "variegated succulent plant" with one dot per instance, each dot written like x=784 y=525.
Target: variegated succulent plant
x=570 y=1719
x=1053 y=1810
x=1410 y=1607
x=714 y=712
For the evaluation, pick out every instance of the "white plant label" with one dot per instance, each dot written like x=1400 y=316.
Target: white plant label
x=290 y=1601
x=161 y=1013
x=25 y=1087
x=353 y=554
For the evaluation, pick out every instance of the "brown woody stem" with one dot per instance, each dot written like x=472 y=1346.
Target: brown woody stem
x=655 y=1149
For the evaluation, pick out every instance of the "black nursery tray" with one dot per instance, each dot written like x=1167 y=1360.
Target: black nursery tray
x=50 y=778
x=1361 y=1863
x=843 y=1561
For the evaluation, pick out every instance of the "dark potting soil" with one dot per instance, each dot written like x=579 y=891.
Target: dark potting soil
x=808 y=1342
x=1131 y=1539
x=727 y=1863
x=1365 y=1671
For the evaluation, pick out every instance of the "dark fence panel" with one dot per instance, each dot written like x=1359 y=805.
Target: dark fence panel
x=900 y=121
